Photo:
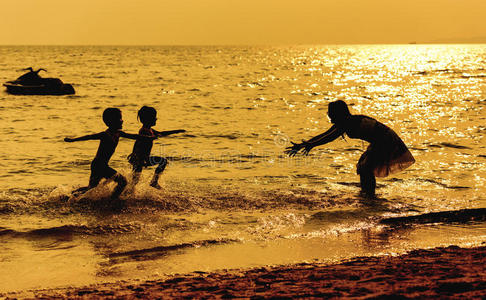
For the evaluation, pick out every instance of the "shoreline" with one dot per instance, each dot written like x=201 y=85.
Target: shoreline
x=450 y=272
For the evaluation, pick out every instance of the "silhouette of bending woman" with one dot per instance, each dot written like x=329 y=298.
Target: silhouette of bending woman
x=386 y=154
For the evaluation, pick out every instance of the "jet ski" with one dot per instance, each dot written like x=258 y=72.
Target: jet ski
x=31 y=83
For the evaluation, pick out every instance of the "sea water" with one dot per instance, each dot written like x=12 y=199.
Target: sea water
x=230 y=197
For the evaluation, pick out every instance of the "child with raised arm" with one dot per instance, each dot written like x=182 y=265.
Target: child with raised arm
x=140 y=156
x=112 y=117
x=386 y=154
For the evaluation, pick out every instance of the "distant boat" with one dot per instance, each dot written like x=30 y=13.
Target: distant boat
x=32 y=84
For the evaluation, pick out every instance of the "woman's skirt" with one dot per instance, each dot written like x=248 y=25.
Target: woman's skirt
x=386 y=157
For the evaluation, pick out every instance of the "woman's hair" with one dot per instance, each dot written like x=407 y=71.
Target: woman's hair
x=338 y=110
x=110 y=115
x=146 y=114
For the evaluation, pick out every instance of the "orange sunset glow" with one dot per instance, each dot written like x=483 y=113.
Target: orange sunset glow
x=216 y=22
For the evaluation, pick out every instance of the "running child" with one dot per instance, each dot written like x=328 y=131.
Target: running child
x=386 y=153
x=112 y=117
x=140 y=156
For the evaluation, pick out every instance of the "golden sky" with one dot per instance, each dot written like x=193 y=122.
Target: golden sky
x=203 y=22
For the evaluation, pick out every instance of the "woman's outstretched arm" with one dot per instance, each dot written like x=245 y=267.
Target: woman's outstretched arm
x=325 y=136
x=330 y=135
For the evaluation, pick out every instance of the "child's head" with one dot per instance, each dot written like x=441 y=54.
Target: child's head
x=113 y=118
x=338 y=111
x=147 y=115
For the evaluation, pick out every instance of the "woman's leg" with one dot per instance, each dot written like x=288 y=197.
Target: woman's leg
x=366 y=174
x=367 y=182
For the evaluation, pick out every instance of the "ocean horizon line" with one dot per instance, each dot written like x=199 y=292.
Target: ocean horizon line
x=244 y=45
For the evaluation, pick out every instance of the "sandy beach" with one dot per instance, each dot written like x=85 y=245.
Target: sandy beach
x=450 y=273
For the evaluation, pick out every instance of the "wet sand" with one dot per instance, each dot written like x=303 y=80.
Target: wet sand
x=450 y=272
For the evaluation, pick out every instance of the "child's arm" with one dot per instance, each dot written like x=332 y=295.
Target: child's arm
x=166 y=133
x=96 y=136
x=135 y=136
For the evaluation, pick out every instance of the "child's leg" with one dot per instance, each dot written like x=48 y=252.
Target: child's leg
x=78 y=192
x=94 y=180
x=136 y=172
x=110 y=173
x=162 y=163
x=121 y=184
x=135 y=177
x=137 y=166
